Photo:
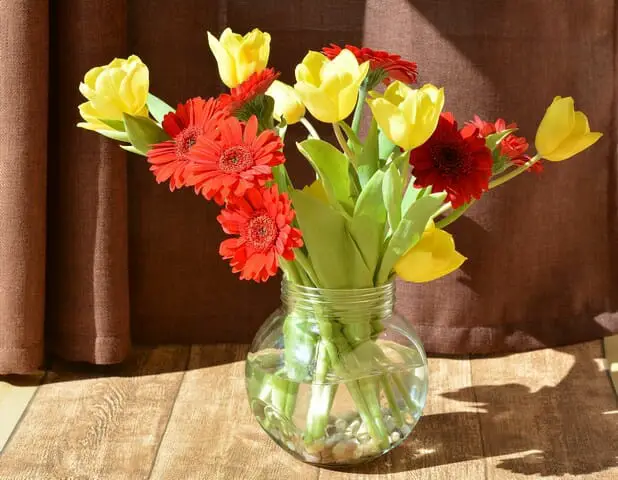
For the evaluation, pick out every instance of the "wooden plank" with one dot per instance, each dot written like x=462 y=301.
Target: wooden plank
x=446 y=443
x=212 y=434
x=16 y=392
x=548 y=413
x=610 y=348
x=97 y=422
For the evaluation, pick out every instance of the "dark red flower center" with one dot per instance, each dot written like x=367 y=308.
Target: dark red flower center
x=261 y=232
x=235 y=159
x=450 y=160
x=185 y=140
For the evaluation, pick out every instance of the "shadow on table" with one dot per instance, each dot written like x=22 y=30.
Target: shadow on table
x=570 y=428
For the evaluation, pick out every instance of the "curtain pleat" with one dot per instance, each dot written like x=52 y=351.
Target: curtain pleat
x=23 y=164
x=87 y=279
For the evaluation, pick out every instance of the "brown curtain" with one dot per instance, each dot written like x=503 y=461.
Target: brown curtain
x=94 y=254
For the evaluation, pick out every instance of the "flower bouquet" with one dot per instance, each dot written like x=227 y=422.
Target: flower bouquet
x=334 y=376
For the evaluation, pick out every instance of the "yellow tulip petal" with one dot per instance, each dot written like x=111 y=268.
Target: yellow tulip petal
x=288 y=103
x=392 y=122
x=556 y=125
x=309 y=70
x=573 y=146
x=225 y=63
x=434 y=256
x=319 y=104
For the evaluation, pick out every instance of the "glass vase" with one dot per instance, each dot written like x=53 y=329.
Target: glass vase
x=336 y=377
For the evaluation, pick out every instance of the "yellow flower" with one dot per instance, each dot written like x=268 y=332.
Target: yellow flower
x=563 y=132
x=329 y=88
x=113 y=89
x=434 y=256
x=288 y=103
x=407 y=116
x=239 y=57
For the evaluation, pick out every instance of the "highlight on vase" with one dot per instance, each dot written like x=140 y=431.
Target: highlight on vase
x=335 y=376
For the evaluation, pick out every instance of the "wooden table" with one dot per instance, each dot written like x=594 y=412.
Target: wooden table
x=181 y=413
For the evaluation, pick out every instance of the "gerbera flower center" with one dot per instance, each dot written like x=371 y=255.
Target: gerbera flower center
x=235 y=159
x=450 y=160
x=261 y=232
x=185 y=140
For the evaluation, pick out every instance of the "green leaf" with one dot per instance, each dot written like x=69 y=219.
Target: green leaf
x=114 y=135
x=157 y=107
x=368 y=223
x=500 y=162
x=332 y=252
x=409 y=197
x=402 y=161
x=131 y=149
x=367 y=161
x=353 y=141
x=143 y=132
x=332 y=168
x=281 y=177
x=115 y=124
x=386 y=146
x=493 y=140
x=408 y=232
x=392 y=193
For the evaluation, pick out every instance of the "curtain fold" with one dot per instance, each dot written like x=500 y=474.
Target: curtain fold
x=94 y=254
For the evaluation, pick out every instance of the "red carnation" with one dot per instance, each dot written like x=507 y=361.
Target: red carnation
x=194 y=119
x=255 y=85
x=393 y=66
x=237 y=160
x=457 y=162
x=262 y=221
x=512 y=147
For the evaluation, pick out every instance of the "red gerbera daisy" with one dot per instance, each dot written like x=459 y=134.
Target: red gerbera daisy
x=194 y=119
x=235 y=161
x=255 y=85
x=512 y=147
x=457 y=162
x=392 y=66
x=262 y=222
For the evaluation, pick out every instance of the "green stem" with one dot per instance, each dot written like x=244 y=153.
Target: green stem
x=303 y=262
x=454 y=215
x=385 y=380
x=360 y=104
x=512 y=174
x=342 y=142
x=312 y=131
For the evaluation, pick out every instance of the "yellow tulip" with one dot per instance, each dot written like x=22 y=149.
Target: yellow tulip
x=113 y=89
x=288 y=103
x=407 y=116
x=329 y=88
x=563 y=132
x=434 y=256
x=238 y=57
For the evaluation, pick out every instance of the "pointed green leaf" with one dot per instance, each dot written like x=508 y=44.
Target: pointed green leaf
x=409 y=197
x=392 y=193
x=368 y=161
x=353 y=141
x=115 y=124
x=408 y=232
x=131 y=149
x=143 y=132
x=157 y=107
x=332 y=168
x=332 y=252
x=491 y=141
x=281 y=177
x=386 y=146
x=114 y=135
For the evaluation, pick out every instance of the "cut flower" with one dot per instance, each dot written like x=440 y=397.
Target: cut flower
x=237 y=160
x=255 y=85
x=262 y=222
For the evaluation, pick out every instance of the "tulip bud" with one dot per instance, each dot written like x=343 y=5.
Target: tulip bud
x=288 y=103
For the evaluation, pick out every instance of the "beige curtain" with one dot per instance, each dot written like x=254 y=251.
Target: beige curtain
x=94 y=254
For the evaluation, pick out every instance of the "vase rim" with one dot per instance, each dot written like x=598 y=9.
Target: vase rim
x=385 y=288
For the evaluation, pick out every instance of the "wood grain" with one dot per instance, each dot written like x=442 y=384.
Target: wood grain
x=16 y=392
x=212 y=434
x=446 y=443
x=610 y=348
x=548 y=413
x=97 y=422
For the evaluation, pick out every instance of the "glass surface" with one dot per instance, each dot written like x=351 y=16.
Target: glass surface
x=336 y=377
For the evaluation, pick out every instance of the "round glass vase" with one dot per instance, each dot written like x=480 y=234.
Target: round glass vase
x=336 y=377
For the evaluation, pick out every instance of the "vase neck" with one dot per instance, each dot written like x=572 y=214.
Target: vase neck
x=352 y=304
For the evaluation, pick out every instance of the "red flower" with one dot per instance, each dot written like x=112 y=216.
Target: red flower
x=194 y=119
x=262 y=222
x=457 y=162
x=392 y=65
x=512 y=146
x=255 y=85
x=234 y=162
